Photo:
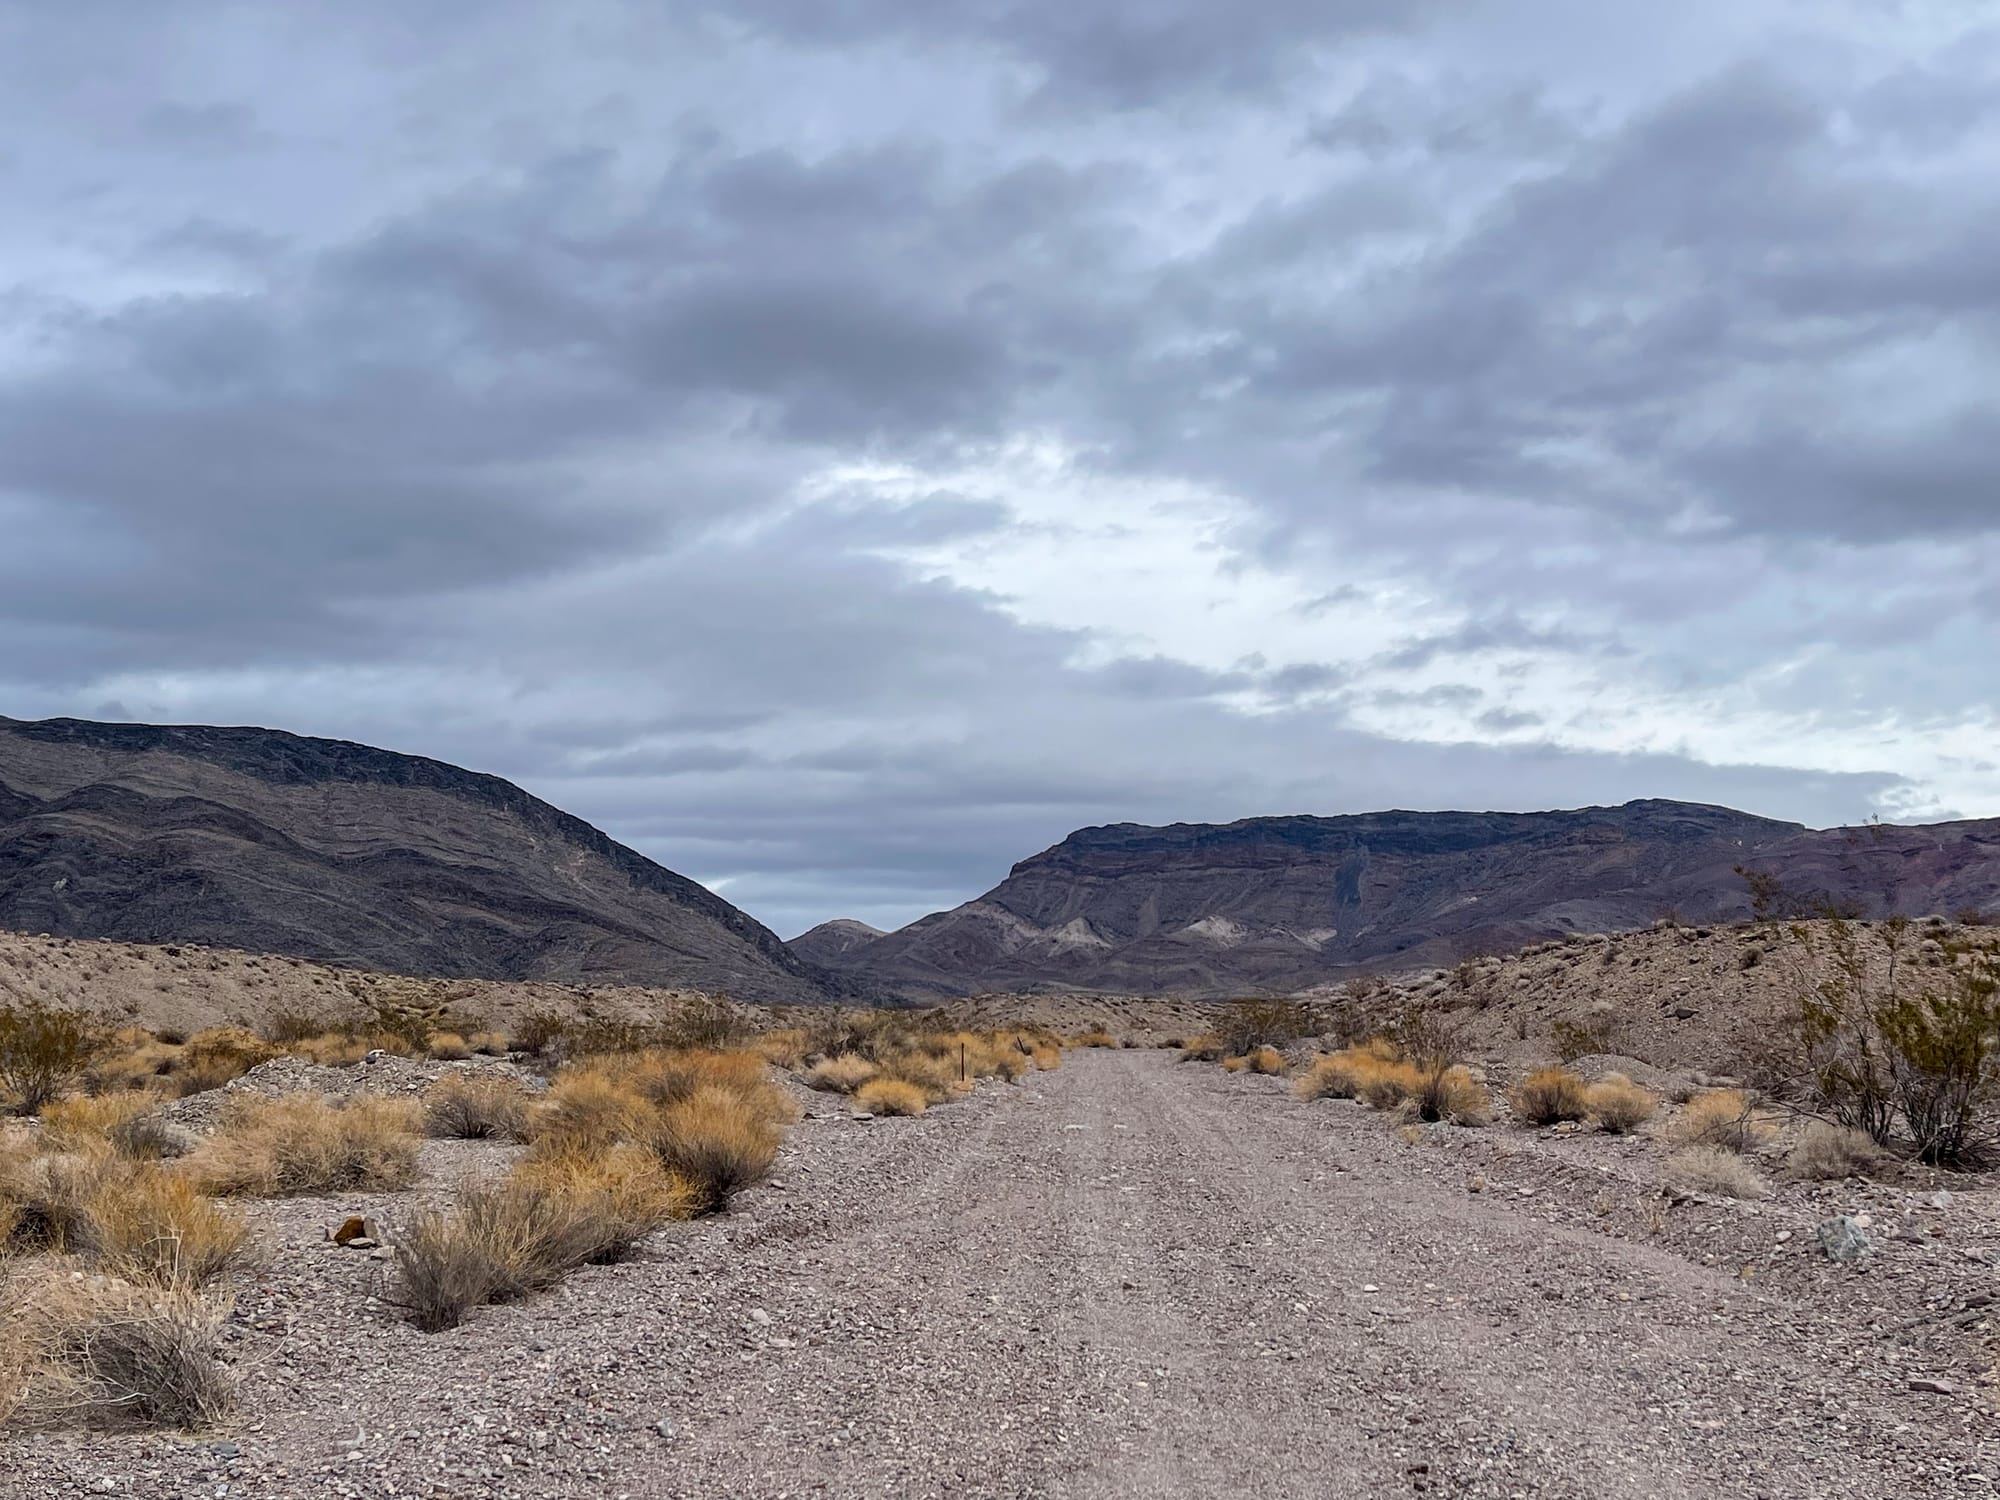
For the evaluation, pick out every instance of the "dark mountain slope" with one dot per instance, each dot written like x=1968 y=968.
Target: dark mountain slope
x=257 y=839
x=1272 y=904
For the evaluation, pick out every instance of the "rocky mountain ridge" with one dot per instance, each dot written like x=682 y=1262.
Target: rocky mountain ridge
x=1281 y=904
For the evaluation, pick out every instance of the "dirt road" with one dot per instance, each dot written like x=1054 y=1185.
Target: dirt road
x=1125 y=1278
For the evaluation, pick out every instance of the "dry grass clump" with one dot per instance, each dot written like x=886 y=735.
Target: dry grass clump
x=498 y=1243
x=716 y=1143
x=83 y=1123
x=448 y=1046
x=219 y=1055
x=585 y=1109
x=1453 y=1095
x=465 y=1108
x=1548 y=1096
x=1097 y=1036
x=1714 y=1169
x=152 y=1226
x=840 y=1074
x=301 y=1143
x=97 y=1348
x=1725 y=1118
x=622 y=1194
x=1829 y=1152
x=1268 y=1061
x=1203 y=1049
x=890 y=1096
x=1618 y=1104
x=782 y=1049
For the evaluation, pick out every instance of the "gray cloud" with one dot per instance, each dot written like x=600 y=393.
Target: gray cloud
x=632 y=401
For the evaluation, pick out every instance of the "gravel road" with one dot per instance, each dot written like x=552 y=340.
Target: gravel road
x=1124 y=1278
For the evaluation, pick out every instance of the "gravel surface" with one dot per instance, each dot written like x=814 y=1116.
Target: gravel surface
x=1124 y=1278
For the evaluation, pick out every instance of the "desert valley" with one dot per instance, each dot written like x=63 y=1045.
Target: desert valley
x=385 y=1132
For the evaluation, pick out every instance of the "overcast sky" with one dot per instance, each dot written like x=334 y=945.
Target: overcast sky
x=840 y=446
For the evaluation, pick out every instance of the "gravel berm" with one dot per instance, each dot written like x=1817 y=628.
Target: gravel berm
x=1123 y=1278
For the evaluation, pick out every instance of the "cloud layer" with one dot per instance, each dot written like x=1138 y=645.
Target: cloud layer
x=840 y=448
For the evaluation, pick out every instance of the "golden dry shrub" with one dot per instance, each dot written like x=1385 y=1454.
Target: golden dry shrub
x=498 y=1242
x=1388 y=1084
x=1723 y=1118
x=1455 y=1096
x=1618 y=1104
x=448 y=1046
x=716 y=1143
x=666 y=1076
x=1235 y=1064
x=1338 y=1075
x=133 y=1059
x=1203 y=1049
x=935 y=1077
x=1268 y=1061
x=154 y=1226
x=1096 y=1036
x=1549 y=1095
x=45 y=1197
x=1047 y=1057
x=302 y=1143
x=782 y=1049
x=220 y=1055
x=1826 y=1152
x=466 y=1107
x=1714 y=1169
x=488 y=1043
x=1011 y=1066
x=83 y=1123
x=99 y=1349
x=623 y=1194
x=890 y=1096
x=586 y=1109
x=842 y=1073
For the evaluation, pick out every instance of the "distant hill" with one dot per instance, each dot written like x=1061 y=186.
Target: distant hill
x=261 y=840
x=1281 y=904
x=826 y=942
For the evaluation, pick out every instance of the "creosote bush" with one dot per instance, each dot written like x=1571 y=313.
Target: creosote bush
x=44 y=1050
x=302 y=1143
x=890 y=1096
x=1618 y=1104
x=1548 y=1096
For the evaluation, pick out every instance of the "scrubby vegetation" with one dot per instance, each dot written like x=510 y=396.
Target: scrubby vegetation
x=1549 y=1096
x=1618 y=1104
x=1826 y=1153
x=1896 y=1036
x=1726 y=1119
x=889 y=1096
x=1417 y=1069
x=1712 y=1169
x=44 y=1050
x=465 y=1107
x=304 y=1143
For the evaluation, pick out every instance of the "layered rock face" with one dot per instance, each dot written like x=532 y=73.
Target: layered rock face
x=1278 y=904
x=257 y=839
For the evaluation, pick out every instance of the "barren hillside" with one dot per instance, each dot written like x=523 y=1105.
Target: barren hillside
x=256 y=839
x=1277 y=904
